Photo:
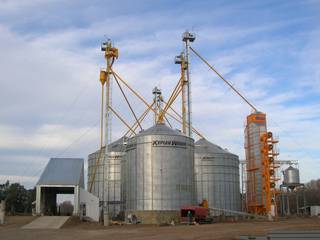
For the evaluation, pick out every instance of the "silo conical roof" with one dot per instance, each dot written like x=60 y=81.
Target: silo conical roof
x=160 y=129
x=204 y=146
x=290 y=168
x=118 y=145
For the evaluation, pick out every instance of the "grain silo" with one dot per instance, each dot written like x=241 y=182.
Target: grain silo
x=97 y=184
x=159 y=174
x=217 y=177
x=112 y=182
x=291 y=177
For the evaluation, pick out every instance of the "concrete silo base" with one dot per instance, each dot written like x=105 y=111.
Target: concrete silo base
x=156 y=217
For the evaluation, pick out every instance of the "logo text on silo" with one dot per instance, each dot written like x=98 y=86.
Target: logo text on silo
x=168 y=143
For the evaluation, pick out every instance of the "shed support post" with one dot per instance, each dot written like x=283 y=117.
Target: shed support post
x=38 y=200
x=288 y=204
x=76 y=201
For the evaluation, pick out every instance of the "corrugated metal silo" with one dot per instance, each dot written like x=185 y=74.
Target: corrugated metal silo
x=291 y=176
x=98 y=180
x=159 y=170
x=112 y=178
x=217 y=176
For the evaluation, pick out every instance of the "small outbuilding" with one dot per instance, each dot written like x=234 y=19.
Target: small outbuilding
x=314 y=211
x=65 y=176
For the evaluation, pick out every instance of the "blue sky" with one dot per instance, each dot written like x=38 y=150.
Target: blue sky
x=50 y=60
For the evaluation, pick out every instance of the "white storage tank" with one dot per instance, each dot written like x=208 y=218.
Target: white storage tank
x=217 y=176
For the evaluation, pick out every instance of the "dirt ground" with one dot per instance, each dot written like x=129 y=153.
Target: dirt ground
x=77 y=230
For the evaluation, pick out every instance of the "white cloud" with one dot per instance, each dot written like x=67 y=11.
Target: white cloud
x=19 y=5
x=53 y=137
x=50 y=89
x=310 y=62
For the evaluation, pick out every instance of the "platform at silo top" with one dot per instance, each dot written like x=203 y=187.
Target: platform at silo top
x=47 y=222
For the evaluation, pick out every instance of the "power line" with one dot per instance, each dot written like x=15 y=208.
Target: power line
x=70 y=108
x=59 y=154
x=226 y=81
x=76 y=140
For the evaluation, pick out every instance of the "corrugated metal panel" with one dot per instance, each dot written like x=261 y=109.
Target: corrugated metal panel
x=217 y=176
x=112 y=177
x=286 y=235
x=159 y=170
x=291 y=176
x=63 y=171
x=295 y=235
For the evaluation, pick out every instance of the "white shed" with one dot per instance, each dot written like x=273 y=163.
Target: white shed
x=315 y=210
x=64 y=176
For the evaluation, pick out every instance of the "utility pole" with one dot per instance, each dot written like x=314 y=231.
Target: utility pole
x=188 y=37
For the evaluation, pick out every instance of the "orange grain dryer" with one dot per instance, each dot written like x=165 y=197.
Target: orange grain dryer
x=260 y=155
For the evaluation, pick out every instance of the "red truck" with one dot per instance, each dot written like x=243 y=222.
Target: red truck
x=199 y=214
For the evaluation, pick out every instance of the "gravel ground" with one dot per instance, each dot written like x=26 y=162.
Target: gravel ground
x=77 y=230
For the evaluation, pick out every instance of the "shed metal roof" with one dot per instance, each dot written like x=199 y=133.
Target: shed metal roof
x=63 y=171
